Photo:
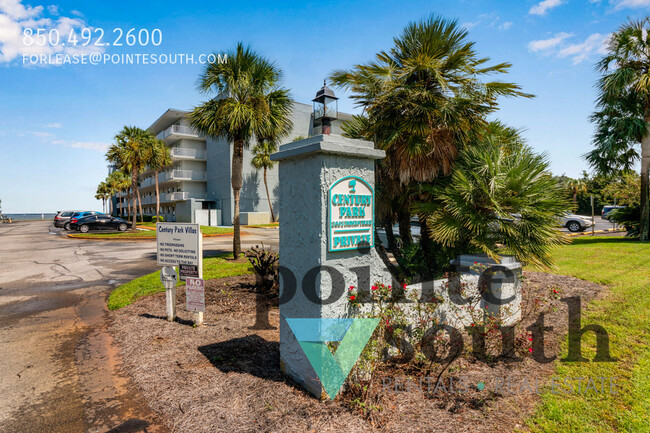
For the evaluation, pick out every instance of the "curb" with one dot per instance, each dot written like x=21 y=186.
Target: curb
x=587 y=233
x=139 y=238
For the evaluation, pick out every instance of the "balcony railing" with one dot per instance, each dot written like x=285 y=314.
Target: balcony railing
x=180 y=196
x=180 y=130
x=147 y=182
x=184 y=152
x=182 y=175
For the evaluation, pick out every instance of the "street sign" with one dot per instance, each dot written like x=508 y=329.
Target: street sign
x=195 y=294
x=188 y=271
x=178 y=243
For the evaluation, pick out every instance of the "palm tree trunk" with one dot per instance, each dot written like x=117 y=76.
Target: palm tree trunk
x=575 y=201
x=155 y=173
x=427 y=246
x=121 y=205
x=128 y=202
x=134 y=186
x=392 y=244
x=268 y=197
x=645 y=206
x=140 y=206
x=236 y=181
x=404 y=221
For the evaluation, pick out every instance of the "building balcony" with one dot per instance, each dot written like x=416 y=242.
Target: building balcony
x=177 y=132
x=180 y=196
x=182 y=175
x=187 y=153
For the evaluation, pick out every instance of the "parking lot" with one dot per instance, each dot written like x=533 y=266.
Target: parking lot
x=53 y=301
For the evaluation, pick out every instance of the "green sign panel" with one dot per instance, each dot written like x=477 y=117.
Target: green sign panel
x=351 y=214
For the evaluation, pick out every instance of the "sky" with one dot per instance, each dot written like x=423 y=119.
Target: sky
x=57 y=118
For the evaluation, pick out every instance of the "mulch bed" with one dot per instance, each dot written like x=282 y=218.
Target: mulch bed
x=226 y=377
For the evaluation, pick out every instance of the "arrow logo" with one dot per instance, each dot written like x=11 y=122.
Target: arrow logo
x=313 y=336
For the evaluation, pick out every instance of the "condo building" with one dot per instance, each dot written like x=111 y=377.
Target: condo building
x=196 y=187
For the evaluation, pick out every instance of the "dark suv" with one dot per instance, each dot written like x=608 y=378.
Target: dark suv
x=607 y=210
x=62 y=217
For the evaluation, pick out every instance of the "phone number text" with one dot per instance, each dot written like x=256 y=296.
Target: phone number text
x=93 y=36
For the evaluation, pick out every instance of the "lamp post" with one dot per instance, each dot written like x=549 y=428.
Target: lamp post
x=325 y=108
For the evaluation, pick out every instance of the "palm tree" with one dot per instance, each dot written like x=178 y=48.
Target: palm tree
x=575 y=187
x=130 y=154
x=247 y=96
x=499 y=199
x=103 y=194
x=262 y=160
x=159 y=159
x=120 y=183
x=624 y=109
x=422 y=99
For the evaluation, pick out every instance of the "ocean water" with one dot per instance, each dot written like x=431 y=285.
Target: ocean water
x=30 y=216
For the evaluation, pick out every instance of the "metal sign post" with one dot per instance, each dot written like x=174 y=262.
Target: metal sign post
x=593 y=223
x=169 y=278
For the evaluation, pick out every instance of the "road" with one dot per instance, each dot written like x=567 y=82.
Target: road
x=61 y=371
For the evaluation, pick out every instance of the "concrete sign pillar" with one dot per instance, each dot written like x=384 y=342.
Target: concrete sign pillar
x=327 y=236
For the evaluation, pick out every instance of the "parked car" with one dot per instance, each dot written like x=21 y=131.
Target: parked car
x=100 y=222
x=77 y=215
x=575 y=223
x=62 y=217
x=607 y=210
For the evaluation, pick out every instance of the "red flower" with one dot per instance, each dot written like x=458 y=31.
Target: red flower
x=530 y=338
x=404 y=285
x=475 y=263
x=352 y=297
x=530 y=349
x=554 y=291
x=373 y=288
x=472 y=324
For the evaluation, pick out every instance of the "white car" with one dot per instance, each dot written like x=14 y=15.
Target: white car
x=575 y=223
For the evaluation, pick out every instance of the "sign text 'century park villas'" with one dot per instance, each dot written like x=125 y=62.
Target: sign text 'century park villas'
x=178 y=244
x=351 y=214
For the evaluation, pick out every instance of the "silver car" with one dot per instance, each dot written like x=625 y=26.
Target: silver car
x=575 y=223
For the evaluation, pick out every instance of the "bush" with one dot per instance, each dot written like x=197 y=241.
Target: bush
x=630 y=218
x=158 y=219
x=265 y=263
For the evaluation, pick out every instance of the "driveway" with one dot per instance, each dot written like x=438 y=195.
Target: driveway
x=60 y=370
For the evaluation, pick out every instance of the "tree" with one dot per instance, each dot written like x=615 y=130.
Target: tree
x=623 y=109
x=575 y=187
x=159 y=158
x=624 y=191
x=262 y=160
x=130 y=153
x=103 y=194
x=247 y=96
x=120 y=183
x=422 y=99
x=499 y=199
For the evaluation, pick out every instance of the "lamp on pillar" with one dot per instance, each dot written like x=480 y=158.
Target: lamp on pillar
x=326 y=108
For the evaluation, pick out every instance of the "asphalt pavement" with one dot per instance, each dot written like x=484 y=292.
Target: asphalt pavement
x=61 y=371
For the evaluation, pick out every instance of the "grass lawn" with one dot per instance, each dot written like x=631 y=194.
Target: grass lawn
x=206 y=230
x=213 y=268
x=622 y=265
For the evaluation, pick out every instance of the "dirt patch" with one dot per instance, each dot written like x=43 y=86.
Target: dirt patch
x=226 y=376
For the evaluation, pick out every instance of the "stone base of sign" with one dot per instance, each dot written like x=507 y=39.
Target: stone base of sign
x=307 y=169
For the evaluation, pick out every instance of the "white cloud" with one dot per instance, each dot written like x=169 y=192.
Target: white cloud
x=542 y=7
x=631 y=4
x=547 y=44
x=506 y=25
x=53 y=125
x=53 y=9
x=90 y=145
x=15 y=10
x=595 y=43
x=41 y=134
x=15 y=18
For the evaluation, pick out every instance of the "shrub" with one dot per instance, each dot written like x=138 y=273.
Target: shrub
x=630 y=218
x=265 y=263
